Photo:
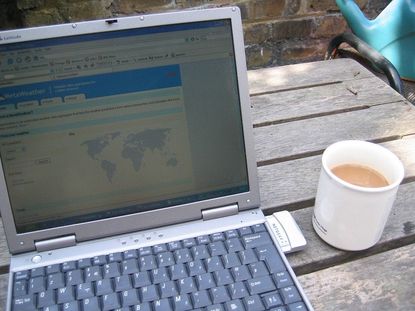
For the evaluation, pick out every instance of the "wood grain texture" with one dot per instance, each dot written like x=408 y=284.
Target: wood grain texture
x=4 y=282
x=380 y=282
x=399 y=230
x=288 y=184
x=301 y=138
x=308 y=74
x=315 y=101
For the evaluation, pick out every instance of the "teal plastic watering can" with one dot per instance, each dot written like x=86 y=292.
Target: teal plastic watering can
x=392 y=32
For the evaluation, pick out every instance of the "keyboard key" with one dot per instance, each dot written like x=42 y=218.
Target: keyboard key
x=103 y=287
x=110 y=301
x=26 y=303
x=214 y=264
x=147 y=263
x=68 y=266
x=231 y=260
x=99 y=260
x=196 y=267
x=218 y=236
x=215 y=307
x=55 y=280
x=217 y=248
x=37 y=285
x=259 y=228
x=71 y=306
x=53 y=269
x=272 y=300
x=172 y=246
x=165 y=259
x=245 y=231
x=162 y=305
x=122 y=283
x=248 y=256
x=223 y=277
x=141 y=279
x=269 y=254
x=90 y=304
x=111 y=270
x=298 y=306
x=256 y=240
x=188 y=243
x=131 y=253
x=21 y=275
x=234 y=245
x=93 y=273
x=53 y=308
x=231 y=234
x=282 y=279
x=74 y=277
x=45 y=298
x=205 y=281
x=178 y=271
x=145 y=306
x=182 y=302
x=65 y=294
x=219 y=294
x=37 y=272
x=290 y=294
x=168 y=289
x=260 y=285
x=115 y=257
x=148 y=293
x=129 y=297
x=240 y=273
x=84 y=290
x=234 y=305
x=160 y=248
x=183 y=255
x=199 y=252
x=145 y=251
x=129 y=266
x=187 y=285
x=258 y=269
x=203 y=239
x=238 y=290
x=20 y=288
x=253 y=303
x=200 y=299
x=84 y=263
x=159 y=275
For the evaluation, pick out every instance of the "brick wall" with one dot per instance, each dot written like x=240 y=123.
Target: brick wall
x=277 y=32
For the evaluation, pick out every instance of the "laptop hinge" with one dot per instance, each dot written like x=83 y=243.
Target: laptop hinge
x=219 y=212
x=47 y=245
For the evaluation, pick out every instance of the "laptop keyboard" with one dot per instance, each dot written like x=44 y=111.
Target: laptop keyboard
x=226 y=271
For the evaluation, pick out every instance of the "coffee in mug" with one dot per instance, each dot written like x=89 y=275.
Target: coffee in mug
x=360 y=175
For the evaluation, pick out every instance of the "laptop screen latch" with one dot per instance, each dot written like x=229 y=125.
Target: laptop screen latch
x=47 y=245
x=219 y=212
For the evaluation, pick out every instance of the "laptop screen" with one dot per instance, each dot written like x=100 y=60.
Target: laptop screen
x=107 y=124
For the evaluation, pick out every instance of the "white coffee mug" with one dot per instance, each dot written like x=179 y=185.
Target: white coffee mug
x=352 y=217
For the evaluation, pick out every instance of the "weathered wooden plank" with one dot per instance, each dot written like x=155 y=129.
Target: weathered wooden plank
x=314 y=101
x=294 y=182
x=399 y=230
x=4 y=281
x=380 y=282
x=303 y=75
x=304 y=137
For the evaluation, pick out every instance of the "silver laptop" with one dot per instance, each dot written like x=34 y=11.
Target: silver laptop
x=128 y=175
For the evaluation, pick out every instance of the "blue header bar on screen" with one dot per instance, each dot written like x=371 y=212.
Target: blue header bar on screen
x=96 y=86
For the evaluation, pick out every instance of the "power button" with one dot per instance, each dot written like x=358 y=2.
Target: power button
x=36 y=259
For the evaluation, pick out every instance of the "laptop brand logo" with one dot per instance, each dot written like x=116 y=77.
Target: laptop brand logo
x=14 y=37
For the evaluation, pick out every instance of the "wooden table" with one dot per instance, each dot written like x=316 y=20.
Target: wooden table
x=297 y=112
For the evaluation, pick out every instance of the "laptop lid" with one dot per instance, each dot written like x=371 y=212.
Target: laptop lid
x=113 y=126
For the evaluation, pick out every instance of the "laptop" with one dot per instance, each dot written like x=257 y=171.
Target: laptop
x=128 y=174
